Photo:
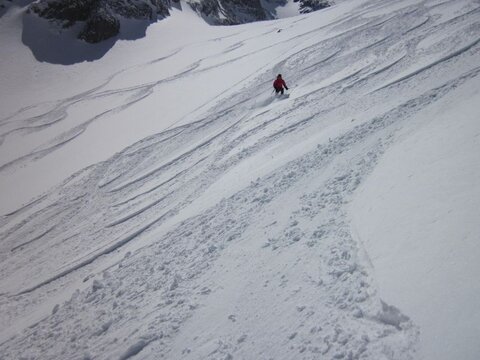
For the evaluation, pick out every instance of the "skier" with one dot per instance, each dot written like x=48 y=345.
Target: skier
x=279 y=84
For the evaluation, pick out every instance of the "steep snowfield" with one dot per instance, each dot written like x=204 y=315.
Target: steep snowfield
x=427 y=262
x=160 y=202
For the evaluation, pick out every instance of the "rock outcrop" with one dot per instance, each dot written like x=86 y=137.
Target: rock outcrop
x=307 y=6
x=100 y=17
x=3 y=6
x=230 y=12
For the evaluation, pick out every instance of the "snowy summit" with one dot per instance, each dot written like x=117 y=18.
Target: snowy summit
x=159 y=199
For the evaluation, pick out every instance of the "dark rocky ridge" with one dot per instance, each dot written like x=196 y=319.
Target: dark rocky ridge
x=101 y=19
x=3 y=6
x=230 y=12
x=307 y=6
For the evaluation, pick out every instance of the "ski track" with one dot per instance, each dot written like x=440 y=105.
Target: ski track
x=429 y=66
x=32 y=240
x=139 y=247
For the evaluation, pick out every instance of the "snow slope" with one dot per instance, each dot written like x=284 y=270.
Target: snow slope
x=428 y=265
x=160 y=202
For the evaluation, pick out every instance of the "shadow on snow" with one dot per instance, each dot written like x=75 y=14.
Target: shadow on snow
x=52 y=45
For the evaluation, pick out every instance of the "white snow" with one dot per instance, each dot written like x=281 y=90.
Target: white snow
x=158 y=201
x=418 y=222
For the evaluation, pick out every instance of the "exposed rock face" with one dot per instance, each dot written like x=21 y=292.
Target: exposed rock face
x=68 y=11
x=307 y=6
x=3 y=5
x=230 y=12
x=100 y=26
x=82 y=10
x=101 y=18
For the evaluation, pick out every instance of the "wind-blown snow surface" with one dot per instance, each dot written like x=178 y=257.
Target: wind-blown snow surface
x=236 y=224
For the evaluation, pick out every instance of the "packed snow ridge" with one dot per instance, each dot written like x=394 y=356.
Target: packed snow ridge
x=161 y=203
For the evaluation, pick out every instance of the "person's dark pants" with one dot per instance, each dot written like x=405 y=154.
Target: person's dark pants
x=279 y=90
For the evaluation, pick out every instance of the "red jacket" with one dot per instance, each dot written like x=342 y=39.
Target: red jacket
x=279 y=83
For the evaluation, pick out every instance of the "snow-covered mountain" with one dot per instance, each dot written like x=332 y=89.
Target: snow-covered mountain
x=158 y=201
x=99 y=20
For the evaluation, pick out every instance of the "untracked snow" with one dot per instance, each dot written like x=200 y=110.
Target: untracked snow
x=161 y=203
